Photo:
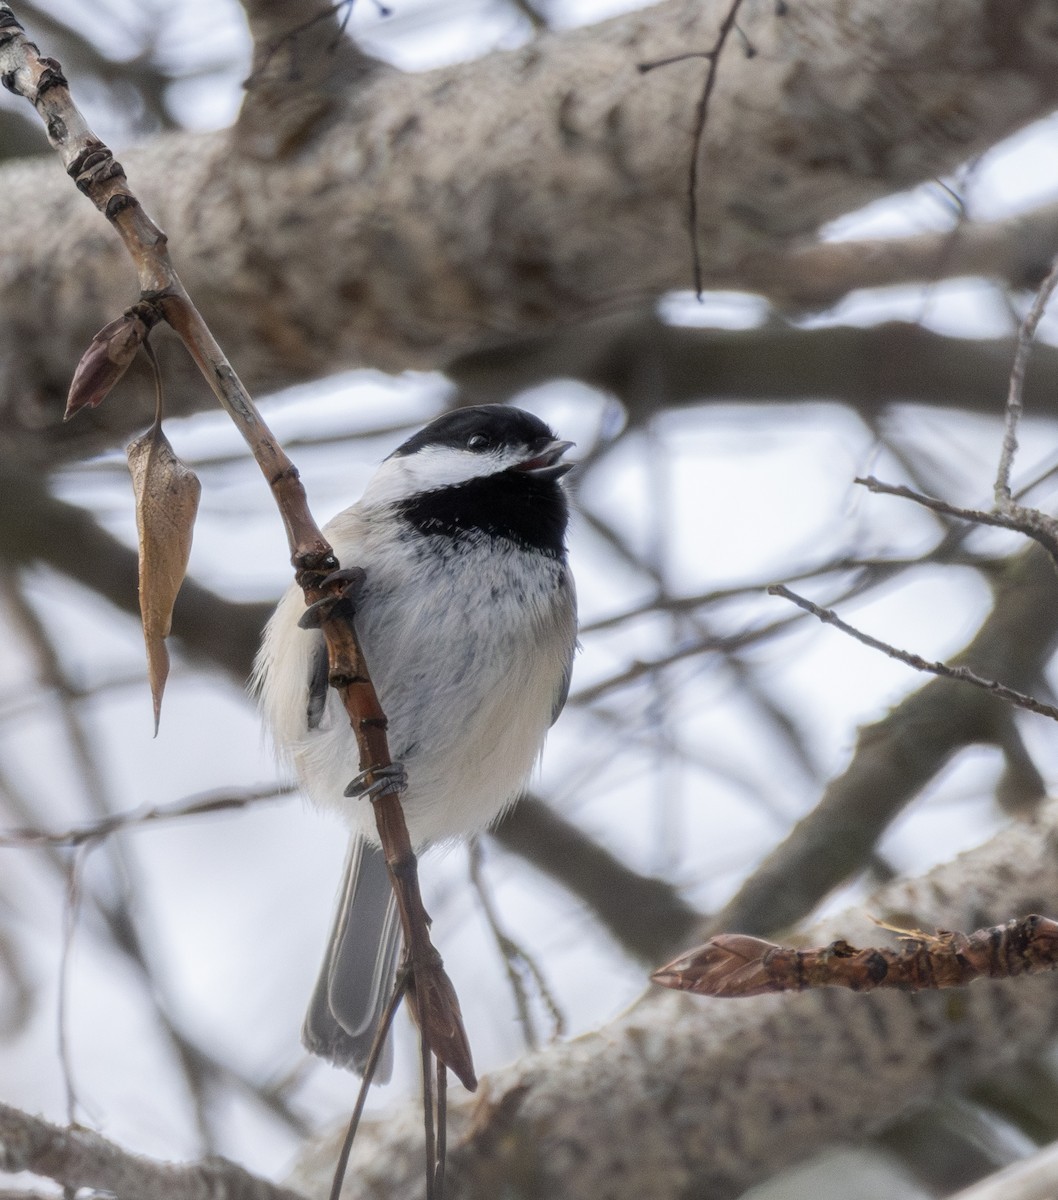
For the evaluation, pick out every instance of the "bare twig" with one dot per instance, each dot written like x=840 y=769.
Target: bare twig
x=1017 y=518
x=70 y=917
x=133 y=818
x=429 y=1131
x=712 y=56
x=700 y=117
x=1015 y=404
x=896 y=756
x=519 y=965
x=79 y=1158
x=718 y=643
x=961 y=673
x=442 y=1132
x=734 y=965
x=400 y=986
x=881 y=568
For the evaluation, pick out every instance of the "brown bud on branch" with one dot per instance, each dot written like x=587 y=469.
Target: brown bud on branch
x=108 y=357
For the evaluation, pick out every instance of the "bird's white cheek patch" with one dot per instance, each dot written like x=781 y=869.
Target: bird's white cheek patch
x=429 y=469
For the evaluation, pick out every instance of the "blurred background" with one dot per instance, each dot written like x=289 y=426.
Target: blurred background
x=706 y=717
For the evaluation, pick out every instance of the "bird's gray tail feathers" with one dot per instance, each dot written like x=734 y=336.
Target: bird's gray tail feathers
x=359 y=967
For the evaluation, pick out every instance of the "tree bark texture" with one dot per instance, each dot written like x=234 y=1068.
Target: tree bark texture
x=681 y=1096
x=414 y=218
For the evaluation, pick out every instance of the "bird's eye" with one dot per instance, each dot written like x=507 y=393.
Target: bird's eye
x=477 y=442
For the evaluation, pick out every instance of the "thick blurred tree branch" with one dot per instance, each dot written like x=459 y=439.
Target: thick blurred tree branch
x=650 y=366
x=645 y=915
x=757 y=1084
x=451 y=226
x=80 y=1158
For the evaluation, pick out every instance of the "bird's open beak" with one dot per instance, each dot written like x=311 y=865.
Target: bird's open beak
x=544 y=462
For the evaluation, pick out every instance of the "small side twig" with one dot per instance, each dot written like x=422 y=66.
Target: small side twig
x=429 y=1131
x=1008 y=514
x=94 y=831
x=520 y=966
x=1017 y=518
x=1015 y=405
x=70 y=918
x=963 y=674
x=400 y=987
x=712 y=57
x=736 y=965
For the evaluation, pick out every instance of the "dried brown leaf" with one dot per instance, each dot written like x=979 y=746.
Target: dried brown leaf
x=107 y=358
x=167 y=493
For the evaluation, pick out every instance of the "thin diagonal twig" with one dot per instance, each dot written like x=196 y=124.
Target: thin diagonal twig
x=962 y=674
x=400 y=987
x=429 y=1132
x=92 y=166
x=94 y=831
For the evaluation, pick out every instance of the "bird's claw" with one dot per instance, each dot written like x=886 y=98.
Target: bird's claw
x=352 y=579
x=391 y=778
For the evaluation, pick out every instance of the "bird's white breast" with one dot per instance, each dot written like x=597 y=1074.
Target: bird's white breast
x=467 y=642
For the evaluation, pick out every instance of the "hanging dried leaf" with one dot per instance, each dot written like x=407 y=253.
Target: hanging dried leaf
x=107 y=358
x=167 y=495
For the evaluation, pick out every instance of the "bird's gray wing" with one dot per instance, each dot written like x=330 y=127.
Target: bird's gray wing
x=319 y=684
x=359 y=967
x=563 y=692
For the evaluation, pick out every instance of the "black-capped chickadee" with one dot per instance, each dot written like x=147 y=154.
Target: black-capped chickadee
x=467 y=619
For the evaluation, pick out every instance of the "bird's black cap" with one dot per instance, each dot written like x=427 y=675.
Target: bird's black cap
x=497 y=424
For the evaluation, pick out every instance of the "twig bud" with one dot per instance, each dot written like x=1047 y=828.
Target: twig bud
x=105 y=361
